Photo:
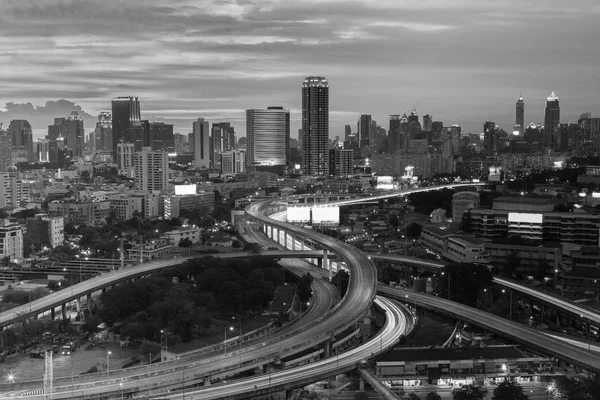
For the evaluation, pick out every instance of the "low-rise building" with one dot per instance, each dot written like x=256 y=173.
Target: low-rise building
x=203 y=202
x=185 y=232
x=466 y=249
x=124 y=206
x=155 y=249
x=91 y=213
x=11 y=240
x=43 y=229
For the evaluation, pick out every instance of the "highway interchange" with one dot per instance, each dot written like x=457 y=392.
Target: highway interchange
x=360 y=295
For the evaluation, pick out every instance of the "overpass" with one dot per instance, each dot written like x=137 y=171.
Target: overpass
x=86 y=288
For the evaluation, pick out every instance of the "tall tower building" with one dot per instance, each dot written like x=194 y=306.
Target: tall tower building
x=223 y=139
x=551 y=119
x=268 y=134
x=315 y=126
x=22 y=136
x=125 y=114
x=394 y=134
x=125 y=152
x=490 y=141
x=103 y=132
x=58 y=129
x=364 y=130
x=5 y=150
x=74 y=134
x=347 y=133
x=520 y=116
x=43 y=150
x=161 y=137
x=201 y=143
x=427 y=123
x=151 y=170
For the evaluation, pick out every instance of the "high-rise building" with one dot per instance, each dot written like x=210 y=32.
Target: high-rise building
x=551 y=119
x=427 y=123
x=315 y=126
x=520 y=116
x=43 y=150
x=74 y=134
x=233 y=162
x=43 y=230
x=180 y=143
x=151 y=170
x=125 y=112
x=22 y=136
x=58 y=129
x=11 y=241
x=201 y=145
x=394 y=134
x=347 y=132
x=103 y=132
x=223 y=139
x=341 y=162
x=490 y=141
x=125 y=153
x=13 y=191
x=364 y=130
x=268 y=135
x=161 y=137
x=5 y=150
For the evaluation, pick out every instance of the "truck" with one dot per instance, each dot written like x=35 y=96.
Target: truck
x=67 y=348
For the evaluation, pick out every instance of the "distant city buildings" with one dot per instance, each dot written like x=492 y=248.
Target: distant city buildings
x=315 y=126
x=11 y=241
x=268 y=137
x=22 y=137
x=551 y=119
x=520 y=116
x=103 y=132
x=126 y=121
x=201 y=143
x=151 y=170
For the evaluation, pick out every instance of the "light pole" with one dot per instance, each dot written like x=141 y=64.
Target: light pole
x=240 y=336
x=491 y=298
x=121 y=387
x=166 y=340
x=443 y=273
x=225 y=340
x=510 y=304
x=307 y=305
x=108 y=353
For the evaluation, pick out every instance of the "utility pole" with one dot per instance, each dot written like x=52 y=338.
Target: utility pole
x=48 y=374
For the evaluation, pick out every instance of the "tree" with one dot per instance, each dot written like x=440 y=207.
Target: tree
x=511 y=263
x=253 y=248
x=464 y=282
x=592 y=387
x=394 y=221
x=341 y=280
x=91 y=323
x=468 y=392
x=237 y=245
x=304 y=289
x=185 y=242
x=413 y=230
x=433 y=396
x=509 y=390
x=540 y=270
x=569 y=389
x=413 y=396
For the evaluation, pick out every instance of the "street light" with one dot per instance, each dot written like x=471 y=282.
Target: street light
x=121 y=387
x=225 y=340
x=510 y=304
x=10 y=377
x=240 y=320
x=491 y=298
x=166 y=340
x=108 y=353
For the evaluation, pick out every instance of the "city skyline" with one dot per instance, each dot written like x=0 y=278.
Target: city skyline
x=461 y=64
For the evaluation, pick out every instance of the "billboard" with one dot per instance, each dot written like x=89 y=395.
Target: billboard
x=385 y=183
x=525 y=218
x=298 y=214
x=182 y=190
x=325 y=215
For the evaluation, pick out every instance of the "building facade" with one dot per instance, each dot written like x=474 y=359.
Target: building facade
x=11 y=241
x=151 y=170
x=268 y=135
x=84 y=212
x=125 y=114
x=201 y=146
x=551 y=119
x=42 y=229
x=315 y=126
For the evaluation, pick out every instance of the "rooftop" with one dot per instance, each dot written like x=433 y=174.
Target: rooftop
x=472 y=353
x=524 y=200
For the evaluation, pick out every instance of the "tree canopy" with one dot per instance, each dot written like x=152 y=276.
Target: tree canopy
x=509 y=390
x=464 y=282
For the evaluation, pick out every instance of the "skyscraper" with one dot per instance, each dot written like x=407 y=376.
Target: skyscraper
x=490 y=141
x=74 y=134
x=394 y=134
x=103 y=132
x=5 y=150
x=347 y=132
x=58 y=129
x=125 y=112
x=201 y=135
x=223 y=139
x=161 y=137
x=427 y=123
x=315 y=126
x=551 y=119
x=268 y=134
x=520 y=116
x=22 y=136
x=364 y=130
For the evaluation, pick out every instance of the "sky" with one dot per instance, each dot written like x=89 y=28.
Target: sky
x=462 y=61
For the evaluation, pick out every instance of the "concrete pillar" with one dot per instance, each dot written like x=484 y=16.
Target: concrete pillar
x=289 y=394
x=361 y=384
x=293 y=241
x=327 y=348
x=89 y=301
x=63 y=310
x=52 y=314
x=78 y=304
x=320 y=262
x=327 y=265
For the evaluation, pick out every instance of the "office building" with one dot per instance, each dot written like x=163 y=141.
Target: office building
x=152 y=203
x=462 y=202
x=161 y=137
x=124 y=206
x=74 y=134
x=151 y=170
x=125 y=115
x=13 y=191
x=347 y=132
x=58 y=129
x=394 y=134
x=315 y=126
x=43 y=150
x=520 y=116
x=125 y=153
x=43 y=230
x=551 y=119
x=233 y=162
x=11 y=241
x=80 y=212
x=203 y=203
x=268 y=136
x=427 y=123
x=22 y=136
x=341 y=162
x=364 y=130
x=490 y=140
x=103 y=132
x=5 y=151
x=201 y=143
x=222 y=140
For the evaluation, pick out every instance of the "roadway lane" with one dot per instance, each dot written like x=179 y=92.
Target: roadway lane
x=518 y=333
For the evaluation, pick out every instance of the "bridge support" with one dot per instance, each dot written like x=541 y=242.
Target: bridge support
x=89 y=302
x=289 y=394
x=78 y=304
x=293 y=237
x=52 y=314
x=327 y=348
x=361 y=384
x=63 y=310
x=327 y=265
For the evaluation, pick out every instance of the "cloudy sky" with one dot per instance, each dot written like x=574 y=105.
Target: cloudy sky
x=463 y=61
